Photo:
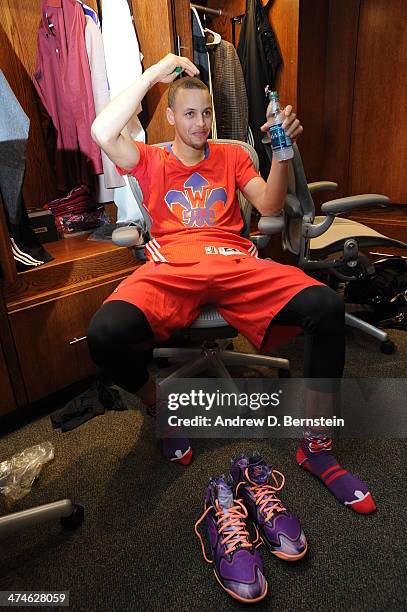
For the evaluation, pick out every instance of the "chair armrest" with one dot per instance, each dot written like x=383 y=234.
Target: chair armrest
x=129 y=236
x=271 y=225
x=260 y=241
x=321 y=186
x=335 y=207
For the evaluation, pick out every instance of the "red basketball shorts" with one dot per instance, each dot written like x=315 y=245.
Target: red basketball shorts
x=247 y=292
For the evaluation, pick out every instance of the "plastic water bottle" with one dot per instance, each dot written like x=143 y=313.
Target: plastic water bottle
x=280 y=142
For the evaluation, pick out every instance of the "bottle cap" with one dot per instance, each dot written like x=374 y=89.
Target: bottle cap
x=274 y=94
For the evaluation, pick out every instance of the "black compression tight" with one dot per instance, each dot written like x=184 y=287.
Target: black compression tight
x=119 y=335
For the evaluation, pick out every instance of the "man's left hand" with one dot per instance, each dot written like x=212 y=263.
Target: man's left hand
x=291 y=124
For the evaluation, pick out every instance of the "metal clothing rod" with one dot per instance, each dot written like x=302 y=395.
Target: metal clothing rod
x=205 y=9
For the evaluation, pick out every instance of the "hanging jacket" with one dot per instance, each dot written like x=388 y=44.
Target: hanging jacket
x=229 y=93
x=260 y=58
x=14 y=127
x=63 y=82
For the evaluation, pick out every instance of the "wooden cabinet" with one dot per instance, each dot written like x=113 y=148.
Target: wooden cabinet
x=7 y=399
x=48 y=310
x=51 y=340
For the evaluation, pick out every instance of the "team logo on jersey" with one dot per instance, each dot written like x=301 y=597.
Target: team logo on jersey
x=197 y=200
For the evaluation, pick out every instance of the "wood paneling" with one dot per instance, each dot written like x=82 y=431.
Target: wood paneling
x=155 y=42
x=339 y=84
x=379 y=136
x=284 y=19
x=182 y=19
x=311 y=83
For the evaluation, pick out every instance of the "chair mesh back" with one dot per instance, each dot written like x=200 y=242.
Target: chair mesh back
x=298 y=185
x=298 y=188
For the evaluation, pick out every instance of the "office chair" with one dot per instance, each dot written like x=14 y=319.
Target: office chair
x=328 y=244
x=210 y=326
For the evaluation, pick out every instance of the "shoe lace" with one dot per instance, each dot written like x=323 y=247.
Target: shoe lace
x=231 y=523
x=265 y=495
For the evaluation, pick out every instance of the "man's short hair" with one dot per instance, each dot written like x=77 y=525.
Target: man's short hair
x=183 y=83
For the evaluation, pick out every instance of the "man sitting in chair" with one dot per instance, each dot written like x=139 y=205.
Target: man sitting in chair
x=197 y=256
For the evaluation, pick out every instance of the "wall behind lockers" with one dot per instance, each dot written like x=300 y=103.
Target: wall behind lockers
x=365 y=109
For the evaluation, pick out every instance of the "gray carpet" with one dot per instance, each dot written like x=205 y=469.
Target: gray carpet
x=137 y=549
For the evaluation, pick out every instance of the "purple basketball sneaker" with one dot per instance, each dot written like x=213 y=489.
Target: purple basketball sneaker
x=237 y=564
x=257 y=484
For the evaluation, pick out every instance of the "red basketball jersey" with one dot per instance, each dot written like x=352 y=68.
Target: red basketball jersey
x=194 y=210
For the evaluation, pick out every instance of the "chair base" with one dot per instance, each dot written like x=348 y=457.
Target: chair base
x=71 y=516
x=212 y=358
x=366 y=327
x=387 y=346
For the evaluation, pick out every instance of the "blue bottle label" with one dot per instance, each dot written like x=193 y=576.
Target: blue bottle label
x=279 y=139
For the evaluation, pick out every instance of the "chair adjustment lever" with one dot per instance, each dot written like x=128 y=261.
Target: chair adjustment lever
x=350 y=252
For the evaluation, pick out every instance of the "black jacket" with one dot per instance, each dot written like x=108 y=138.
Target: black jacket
x=260 y=58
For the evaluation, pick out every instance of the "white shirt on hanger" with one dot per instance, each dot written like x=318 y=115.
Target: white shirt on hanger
x=123 y=67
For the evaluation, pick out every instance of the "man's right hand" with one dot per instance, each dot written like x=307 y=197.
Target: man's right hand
x=108 y=129
x=164 y=70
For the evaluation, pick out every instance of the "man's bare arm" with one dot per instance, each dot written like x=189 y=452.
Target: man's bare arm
x=268 y=198
x=108 y=129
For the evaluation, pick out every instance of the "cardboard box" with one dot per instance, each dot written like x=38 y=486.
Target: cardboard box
x=42 y=222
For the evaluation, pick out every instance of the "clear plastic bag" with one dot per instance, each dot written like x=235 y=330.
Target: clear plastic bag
x=18 y=473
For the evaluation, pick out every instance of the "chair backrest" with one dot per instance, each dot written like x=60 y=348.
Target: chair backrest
x=245 y=205
x=299 y=204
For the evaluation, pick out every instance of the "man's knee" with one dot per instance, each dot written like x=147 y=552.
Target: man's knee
x=103 y=332
x=115 y=327
x=328 y=309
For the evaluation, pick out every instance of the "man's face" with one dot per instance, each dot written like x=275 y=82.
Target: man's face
x=191 y=116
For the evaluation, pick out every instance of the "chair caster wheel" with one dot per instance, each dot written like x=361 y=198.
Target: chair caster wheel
x=387 y=347
x=75 y=519
x=283 y=373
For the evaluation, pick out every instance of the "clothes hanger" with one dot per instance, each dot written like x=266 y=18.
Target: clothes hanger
x=216 y=37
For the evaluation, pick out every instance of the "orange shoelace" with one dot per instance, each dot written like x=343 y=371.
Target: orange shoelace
x=265 y=494
x=231 y=523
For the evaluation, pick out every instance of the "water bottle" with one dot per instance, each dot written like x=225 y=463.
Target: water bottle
x=280 y=142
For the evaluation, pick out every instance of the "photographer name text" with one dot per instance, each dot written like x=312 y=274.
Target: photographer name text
x=239 y=421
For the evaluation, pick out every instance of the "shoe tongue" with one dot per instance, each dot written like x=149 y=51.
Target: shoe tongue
x=224 y=493
x=259 y=472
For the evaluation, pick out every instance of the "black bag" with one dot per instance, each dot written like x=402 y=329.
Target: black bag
x=385 y=291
